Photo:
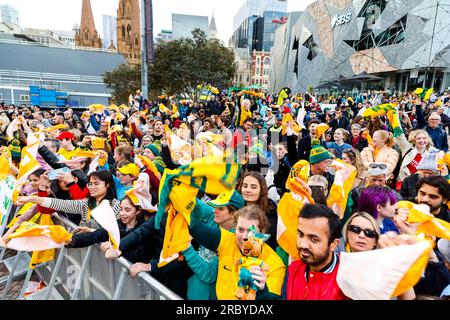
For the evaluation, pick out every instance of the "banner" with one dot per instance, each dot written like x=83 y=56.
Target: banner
x=6 y=191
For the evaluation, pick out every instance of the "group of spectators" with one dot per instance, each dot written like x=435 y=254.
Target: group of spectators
x=107 y=150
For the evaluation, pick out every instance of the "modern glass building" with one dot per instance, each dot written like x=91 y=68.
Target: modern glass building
x=395 y=45
x=257 y=8
x=183 y=24
x=109 y=31
x=9 y=15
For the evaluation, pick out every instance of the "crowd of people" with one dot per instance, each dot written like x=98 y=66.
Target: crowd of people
x=106 y=152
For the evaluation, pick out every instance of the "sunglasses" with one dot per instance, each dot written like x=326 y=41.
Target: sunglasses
x=382 y=166
x=367 y=232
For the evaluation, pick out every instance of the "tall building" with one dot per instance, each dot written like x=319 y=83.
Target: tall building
x=213 y=28
x=243 y=62
x=256 y=22
x=87 y=35
x=257 y=8
x=183 y=24
x=109 y=32
x=9 y=15
x=47 y=37
x=128 y=30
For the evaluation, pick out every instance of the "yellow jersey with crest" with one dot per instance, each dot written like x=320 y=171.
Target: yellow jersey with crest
x=228 y=273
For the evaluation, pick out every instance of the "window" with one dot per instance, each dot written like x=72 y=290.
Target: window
x=313 y=48
x=24 y=97
x=136 y=40
x=258 y=60
x=123 y=31
x=1 y=96
x=266 y=61
x=258 y=71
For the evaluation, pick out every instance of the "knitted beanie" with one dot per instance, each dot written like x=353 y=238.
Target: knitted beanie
x=153 y=148
x=318 y=153
x=429 y=161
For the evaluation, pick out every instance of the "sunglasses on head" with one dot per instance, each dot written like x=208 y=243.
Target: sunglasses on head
x=382 y=166
x=369 y=233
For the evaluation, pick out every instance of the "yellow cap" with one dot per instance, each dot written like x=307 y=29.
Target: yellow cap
x=129 y=168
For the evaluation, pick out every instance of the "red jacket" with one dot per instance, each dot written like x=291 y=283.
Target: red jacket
x=318 y=286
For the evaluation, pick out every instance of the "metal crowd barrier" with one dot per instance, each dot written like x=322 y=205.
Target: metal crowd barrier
x=85 y=274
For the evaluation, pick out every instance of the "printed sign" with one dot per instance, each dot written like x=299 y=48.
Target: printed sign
x=6 y=191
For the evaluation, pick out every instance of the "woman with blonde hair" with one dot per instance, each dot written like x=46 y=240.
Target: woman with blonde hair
x=353 y=157
x=413 y=150
x=381 y=151
x=360 y=233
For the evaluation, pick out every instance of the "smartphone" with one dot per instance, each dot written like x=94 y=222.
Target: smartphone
x=53 y=175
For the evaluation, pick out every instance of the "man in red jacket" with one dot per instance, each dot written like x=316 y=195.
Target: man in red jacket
x=313 y=277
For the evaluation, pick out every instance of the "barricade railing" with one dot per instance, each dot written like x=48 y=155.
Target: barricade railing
x=85 y=274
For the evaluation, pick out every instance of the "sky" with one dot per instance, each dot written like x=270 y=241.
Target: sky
x=63 y=14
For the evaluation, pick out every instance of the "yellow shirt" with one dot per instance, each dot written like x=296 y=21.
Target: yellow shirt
x=228 y=273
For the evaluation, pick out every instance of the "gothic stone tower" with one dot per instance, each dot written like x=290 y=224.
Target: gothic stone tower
x=128 y=30
x=87 y=36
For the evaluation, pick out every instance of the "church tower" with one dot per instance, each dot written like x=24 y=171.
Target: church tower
x=213 y=28
x=129 y=30
x=87 y=36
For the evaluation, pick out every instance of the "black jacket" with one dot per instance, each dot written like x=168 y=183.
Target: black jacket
x=342 y=123
x=141 y=253
x=173 y=275
x=435 y=279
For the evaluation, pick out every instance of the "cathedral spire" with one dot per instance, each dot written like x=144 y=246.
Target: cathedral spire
x=87 y=36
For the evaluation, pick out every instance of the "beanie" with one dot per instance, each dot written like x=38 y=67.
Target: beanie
x=318 y=153
x=153 y=148
x=429 y=161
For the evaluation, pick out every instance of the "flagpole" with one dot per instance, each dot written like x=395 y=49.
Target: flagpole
x=144 y=67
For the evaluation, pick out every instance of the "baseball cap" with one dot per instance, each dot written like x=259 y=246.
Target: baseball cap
x=66 y=135
x=129 y=168
x=226 y=198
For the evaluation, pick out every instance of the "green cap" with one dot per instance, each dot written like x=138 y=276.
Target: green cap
x=226 y=198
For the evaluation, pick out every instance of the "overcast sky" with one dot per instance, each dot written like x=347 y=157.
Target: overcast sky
x=63 y=14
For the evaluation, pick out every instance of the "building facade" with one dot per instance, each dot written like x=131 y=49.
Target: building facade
x=62 y=69
x=9 y=15
x=109 y=32
x=165 y=35
x=403 y=43
x=87 y=36
x=243 y=76
x=257 y=8
x=260 y=69
x=129 y=30
x=183 y=24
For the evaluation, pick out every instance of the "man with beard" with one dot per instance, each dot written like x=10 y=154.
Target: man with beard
x=313 y=277
x=434 y=191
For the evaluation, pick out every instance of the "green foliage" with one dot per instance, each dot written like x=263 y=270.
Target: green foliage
x=180 y=66
x=123 y=80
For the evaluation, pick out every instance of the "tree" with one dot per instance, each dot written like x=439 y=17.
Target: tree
x=123 y=80
x=180 y=67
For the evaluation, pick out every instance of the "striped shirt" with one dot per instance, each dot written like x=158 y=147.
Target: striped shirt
x=78 y=207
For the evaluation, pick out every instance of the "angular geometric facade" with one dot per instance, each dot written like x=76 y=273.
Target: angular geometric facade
x=406 y=42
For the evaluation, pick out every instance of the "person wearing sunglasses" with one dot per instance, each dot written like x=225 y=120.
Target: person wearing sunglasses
x=360 y=233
